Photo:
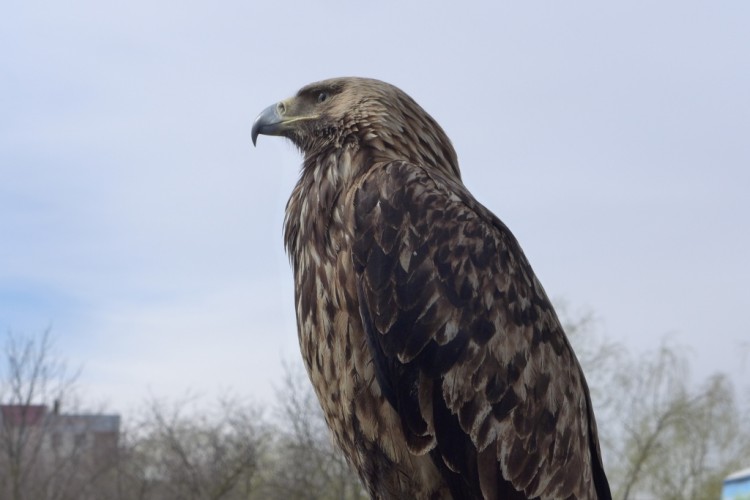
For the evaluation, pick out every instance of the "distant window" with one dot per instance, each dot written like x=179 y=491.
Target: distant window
x=56 y=441
x=80 y=440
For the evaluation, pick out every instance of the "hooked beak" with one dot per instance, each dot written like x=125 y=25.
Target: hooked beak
x=269 y=122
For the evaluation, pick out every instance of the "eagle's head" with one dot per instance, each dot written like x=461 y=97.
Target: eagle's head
x=361 y=113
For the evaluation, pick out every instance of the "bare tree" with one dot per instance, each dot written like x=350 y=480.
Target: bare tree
x=35 y=463
x=677 y=439
x=303 y=462
x=663 y=435
x=30 y=376
x=178 y=452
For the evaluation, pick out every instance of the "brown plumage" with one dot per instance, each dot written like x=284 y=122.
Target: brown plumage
x=439 y=362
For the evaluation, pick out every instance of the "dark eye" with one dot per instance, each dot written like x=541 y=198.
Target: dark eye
x=323 y=97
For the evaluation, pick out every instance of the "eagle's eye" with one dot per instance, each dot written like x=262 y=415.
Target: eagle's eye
x=323 y=97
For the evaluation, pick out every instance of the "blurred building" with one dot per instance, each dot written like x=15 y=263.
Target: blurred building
x=50 y=434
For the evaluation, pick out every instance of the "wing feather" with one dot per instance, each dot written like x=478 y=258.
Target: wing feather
x=466 y=346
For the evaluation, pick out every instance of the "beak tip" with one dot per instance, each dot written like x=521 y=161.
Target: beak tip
x=254 y=133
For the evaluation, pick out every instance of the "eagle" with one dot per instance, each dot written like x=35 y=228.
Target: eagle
x=440 y=364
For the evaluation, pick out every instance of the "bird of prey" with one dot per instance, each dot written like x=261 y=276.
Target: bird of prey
x=439 y=362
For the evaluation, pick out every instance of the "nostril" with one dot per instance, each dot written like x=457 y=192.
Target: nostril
x=280 y=108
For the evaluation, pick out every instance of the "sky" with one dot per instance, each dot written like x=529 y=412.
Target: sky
x=139 y=224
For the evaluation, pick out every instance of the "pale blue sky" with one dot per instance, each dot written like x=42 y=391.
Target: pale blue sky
x=138 y=221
